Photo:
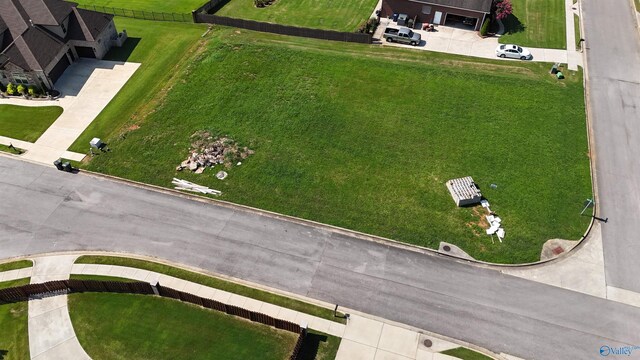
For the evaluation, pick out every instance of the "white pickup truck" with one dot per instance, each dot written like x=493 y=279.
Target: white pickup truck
x=402 y=35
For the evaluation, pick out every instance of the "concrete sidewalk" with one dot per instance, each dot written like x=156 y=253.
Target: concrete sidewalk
x=51 y=334
x=86 y=88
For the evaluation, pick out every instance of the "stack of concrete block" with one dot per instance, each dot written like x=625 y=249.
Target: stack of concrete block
x=464 y=191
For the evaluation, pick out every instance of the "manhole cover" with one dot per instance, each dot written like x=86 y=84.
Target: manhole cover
x=446 y=248
x=427 y=343
x=558 y=250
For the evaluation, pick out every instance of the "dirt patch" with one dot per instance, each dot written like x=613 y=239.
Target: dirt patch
x=479 y=221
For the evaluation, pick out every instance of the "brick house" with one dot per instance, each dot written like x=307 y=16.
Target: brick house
x=471 y=13
x=39 y=39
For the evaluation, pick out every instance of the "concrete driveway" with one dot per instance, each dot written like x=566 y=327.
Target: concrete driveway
x=86 y=87
x=467 y=42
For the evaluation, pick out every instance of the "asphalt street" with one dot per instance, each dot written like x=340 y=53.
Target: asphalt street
x=613 y=62
x=45 y=210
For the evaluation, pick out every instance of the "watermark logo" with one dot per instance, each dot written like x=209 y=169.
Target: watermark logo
x=622 y=350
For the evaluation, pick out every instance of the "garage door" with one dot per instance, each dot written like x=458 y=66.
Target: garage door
x=57 y=70
x=85 y=51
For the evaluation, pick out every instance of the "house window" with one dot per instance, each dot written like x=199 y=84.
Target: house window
x=20 y=78
x=426 y=9
x=64 y=29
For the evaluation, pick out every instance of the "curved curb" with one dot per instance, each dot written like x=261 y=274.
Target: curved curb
x=322 y=226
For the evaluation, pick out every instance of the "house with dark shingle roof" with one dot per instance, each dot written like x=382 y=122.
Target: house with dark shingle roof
x=39 y=39
x=465 y=13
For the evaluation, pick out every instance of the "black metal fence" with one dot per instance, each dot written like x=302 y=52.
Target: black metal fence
x=140 y=14
x=52 y=288
x=199 y=17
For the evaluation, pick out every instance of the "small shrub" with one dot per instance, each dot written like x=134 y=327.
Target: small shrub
x=21 y=89
x=32 y=91
x=11 y=89
x=484 y=29
x=369 y=26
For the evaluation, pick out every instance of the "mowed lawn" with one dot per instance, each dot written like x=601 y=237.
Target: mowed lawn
x=125 y=326
x=163 y=49
x=14 y=336
x=25 y=122
x=167 y=6
x=536 y=23
x=321 y=14
x=365 y=138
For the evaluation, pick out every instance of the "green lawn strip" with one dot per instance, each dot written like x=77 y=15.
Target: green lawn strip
x=637 y=2
x=14 y=283
x=321 y=14
x=576 y=26
x=536 y=23
x=163 y=49
x=15 y=151
x=166 y=6
x=25 y=122
x=214 y=283
x=334 y=144
x=14 y=342
x=100 y=278
x=466 y=354
x=20 y=264
x=127 y=326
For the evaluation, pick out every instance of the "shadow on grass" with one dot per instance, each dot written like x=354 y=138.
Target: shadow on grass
x=3 y=353
x=513 y=25
x=310 y=346
x=220 y=5
x=123 y=53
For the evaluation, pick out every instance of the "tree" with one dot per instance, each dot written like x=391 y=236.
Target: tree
x=503 y=9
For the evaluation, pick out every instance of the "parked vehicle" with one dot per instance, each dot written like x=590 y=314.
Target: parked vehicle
x=403 y=35
x=513 y=51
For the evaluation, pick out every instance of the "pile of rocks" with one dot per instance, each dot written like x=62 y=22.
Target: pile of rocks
x=208 y=151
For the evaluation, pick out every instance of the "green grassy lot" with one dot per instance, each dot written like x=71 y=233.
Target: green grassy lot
x=14 y=341
x=162 y=48
x=321 y=14
x=365 y=138
x=466 y=354
x=25 y=122
x=536 y=23
x=20 y=264
x=125 y=326
x=167 y=6
x=212 y=282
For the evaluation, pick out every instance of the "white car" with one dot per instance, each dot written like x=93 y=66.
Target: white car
x=512 y=51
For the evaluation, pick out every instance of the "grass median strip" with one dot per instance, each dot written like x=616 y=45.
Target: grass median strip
x=20 y=264
x=213 y=282
x=126 y=326
x=26 y=123
x=14 y=341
